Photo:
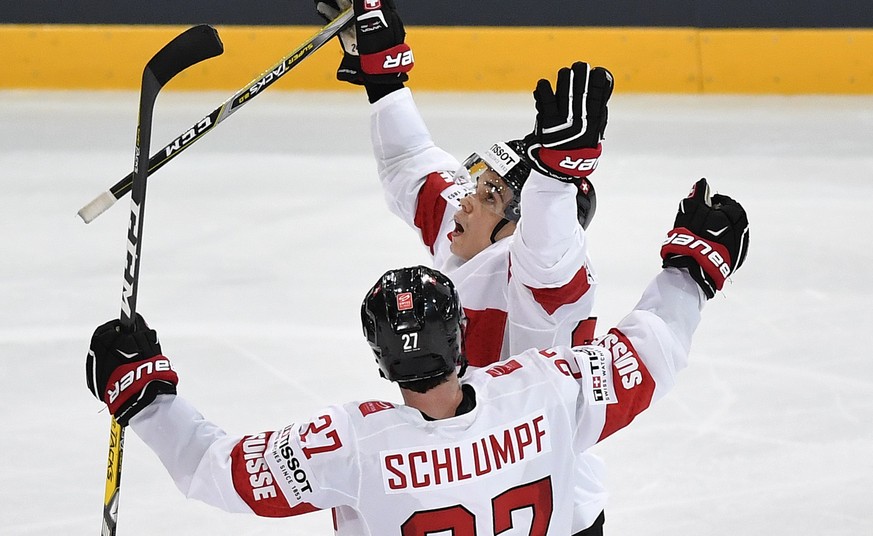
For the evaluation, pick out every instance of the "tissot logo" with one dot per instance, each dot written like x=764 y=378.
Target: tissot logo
x=503 y=153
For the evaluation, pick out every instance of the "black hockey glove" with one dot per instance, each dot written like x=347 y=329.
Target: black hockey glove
x=385 y=57
x=710 y=238
x=350 y=66
x=571 y=121
x=125 y=369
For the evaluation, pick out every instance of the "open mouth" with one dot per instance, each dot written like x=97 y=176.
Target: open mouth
x=459 y=229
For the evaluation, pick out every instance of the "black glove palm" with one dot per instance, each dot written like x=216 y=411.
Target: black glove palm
x=710 y=238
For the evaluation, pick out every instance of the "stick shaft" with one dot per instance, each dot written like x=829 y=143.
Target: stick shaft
x=106 y=199
x=191 y=46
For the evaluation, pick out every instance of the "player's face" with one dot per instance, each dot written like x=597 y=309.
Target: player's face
x=479 y=213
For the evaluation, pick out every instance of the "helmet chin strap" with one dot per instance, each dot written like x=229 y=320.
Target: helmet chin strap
x=500 y=225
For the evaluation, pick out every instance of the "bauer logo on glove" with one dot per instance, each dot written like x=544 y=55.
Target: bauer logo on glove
x=710 y=238
x=147 y=369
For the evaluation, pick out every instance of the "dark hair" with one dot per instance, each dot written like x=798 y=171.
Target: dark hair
x=423 y=386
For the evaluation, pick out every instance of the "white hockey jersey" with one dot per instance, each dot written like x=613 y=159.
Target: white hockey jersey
x=533 y=289
x=529 y=290
x=385 y=469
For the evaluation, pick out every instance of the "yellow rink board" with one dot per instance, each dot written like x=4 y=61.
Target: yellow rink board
x=664 y=60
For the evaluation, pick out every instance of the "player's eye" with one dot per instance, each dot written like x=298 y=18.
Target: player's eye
x=490 y=193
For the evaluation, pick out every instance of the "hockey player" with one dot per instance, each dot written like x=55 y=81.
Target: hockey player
x=464 y=451
x=525 y=277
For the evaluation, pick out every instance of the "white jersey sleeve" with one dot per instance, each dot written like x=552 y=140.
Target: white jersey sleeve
x=644 y=352
x=623 y=372
x=295 y=470
x=552 y=284
x=416 y=175
x=195 y=452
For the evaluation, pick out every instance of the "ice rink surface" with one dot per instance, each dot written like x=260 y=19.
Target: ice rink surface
x=262 y=238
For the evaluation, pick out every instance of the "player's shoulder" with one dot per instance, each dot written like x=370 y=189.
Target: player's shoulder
x=361 y=409
x=546 y=363
x=371 y=415
x=522 y=367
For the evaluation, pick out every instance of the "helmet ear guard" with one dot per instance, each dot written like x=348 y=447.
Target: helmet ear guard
x=413 y=321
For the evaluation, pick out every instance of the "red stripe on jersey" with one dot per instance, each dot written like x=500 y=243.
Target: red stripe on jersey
x=483 y=338
x=431 y=208
x=583 y=333
x=631 y=380
x=553 y=298
x=255 y=483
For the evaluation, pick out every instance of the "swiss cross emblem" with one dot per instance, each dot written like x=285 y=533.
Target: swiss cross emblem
x=503 y=368
x=584 y=187
x=598 y=382
x=404 y=301
x=374 y=406
x=372 y=4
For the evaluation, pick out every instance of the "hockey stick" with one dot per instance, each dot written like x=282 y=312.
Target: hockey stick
x=108 y=198
x=191 y=46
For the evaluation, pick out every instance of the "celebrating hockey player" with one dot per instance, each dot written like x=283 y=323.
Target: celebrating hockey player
x=464 y=451
x=525 y=277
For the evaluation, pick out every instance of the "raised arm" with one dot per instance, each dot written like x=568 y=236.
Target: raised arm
x=647 y=348
x=263 y=473
x=416 y=176
x=552 y=285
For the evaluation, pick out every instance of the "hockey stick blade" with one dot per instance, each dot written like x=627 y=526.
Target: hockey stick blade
x=192 y=46
x=108 y=198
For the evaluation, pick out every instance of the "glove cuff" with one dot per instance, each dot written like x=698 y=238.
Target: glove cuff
x=128 y=381
x=132 y=407
x=394 y=60
x=567 y=165
x=684 y=249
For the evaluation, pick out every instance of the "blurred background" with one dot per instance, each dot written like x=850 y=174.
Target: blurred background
x=675 y=46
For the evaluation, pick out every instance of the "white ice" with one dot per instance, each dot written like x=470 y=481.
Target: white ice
x=262 y=238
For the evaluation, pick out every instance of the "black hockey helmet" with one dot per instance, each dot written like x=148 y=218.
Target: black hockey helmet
x=413 y=320
x=507 y=160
